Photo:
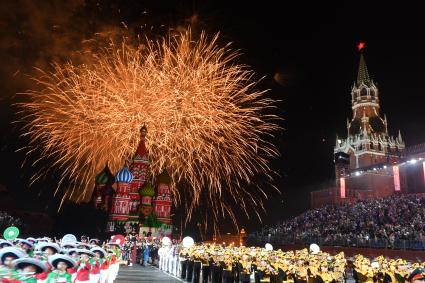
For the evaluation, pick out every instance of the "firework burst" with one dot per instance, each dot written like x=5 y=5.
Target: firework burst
x=207 y=125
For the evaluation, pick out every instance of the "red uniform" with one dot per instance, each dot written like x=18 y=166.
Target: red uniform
x=83 y=271
x=71 y=270
x=95 y=266
x=105 y=264
x=113 y=259
x=43 y=275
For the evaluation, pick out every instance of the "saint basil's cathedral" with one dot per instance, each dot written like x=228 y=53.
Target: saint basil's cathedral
x=134 y=201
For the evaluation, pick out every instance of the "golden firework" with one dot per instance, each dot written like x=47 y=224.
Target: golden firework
x=206 y=121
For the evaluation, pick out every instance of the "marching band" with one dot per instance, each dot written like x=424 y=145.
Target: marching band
x=216 y=263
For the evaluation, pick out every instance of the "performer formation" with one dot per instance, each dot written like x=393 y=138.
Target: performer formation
x=44 y=260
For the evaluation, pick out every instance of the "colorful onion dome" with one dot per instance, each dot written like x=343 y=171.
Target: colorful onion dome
x=124 y=176
x=147 y=190
x=164 y=178
x=104 y=177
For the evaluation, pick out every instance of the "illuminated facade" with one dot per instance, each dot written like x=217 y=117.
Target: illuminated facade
x=131 y=200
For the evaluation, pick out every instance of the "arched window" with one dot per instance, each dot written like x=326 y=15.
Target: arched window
x=363 y=92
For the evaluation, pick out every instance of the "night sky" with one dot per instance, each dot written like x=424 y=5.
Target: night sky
x=306 y=54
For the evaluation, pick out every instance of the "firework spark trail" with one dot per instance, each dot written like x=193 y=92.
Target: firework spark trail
x=206 y=122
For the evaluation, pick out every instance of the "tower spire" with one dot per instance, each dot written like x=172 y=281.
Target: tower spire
x=400 y=140
x=386 y=124
x=363 y=74
x=141 y=148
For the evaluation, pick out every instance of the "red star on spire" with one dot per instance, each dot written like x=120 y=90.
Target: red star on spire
x=360 y=46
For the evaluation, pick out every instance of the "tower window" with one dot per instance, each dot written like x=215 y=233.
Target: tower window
x=363 y=92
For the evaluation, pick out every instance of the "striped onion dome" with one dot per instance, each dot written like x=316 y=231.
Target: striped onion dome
x=102 y=178
x=124 y=176
x=105 y=177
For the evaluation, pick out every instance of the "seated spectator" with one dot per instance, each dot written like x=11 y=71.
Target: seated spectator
x=388 y=222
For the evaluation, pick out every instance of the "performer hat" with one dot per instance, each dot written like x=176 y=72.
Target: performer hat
x=100 y=250
x=68 y=245
x=11 y=252
x=55 y=259
x=71 y=251
x=44 y=246
x=5 y=243
x=22 y=241
x=21 y=263
x=85 y=251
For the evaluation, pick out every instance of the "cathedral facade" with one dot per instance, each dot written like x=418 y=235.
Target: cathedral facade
x=135 y=201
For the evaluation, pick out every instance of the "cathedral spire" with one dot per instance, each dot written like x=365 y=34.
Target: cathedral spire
x=141 y=150
x=139 y=168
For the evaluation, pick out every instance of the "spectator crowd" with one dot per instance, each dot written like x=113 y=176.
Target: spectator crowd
x=396 y=221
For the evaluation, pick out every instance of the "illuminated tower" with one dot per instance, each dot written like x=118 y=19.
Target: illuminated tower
x=368 y=142
x=367 y=161
x=139 y=168
x=162 y=202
